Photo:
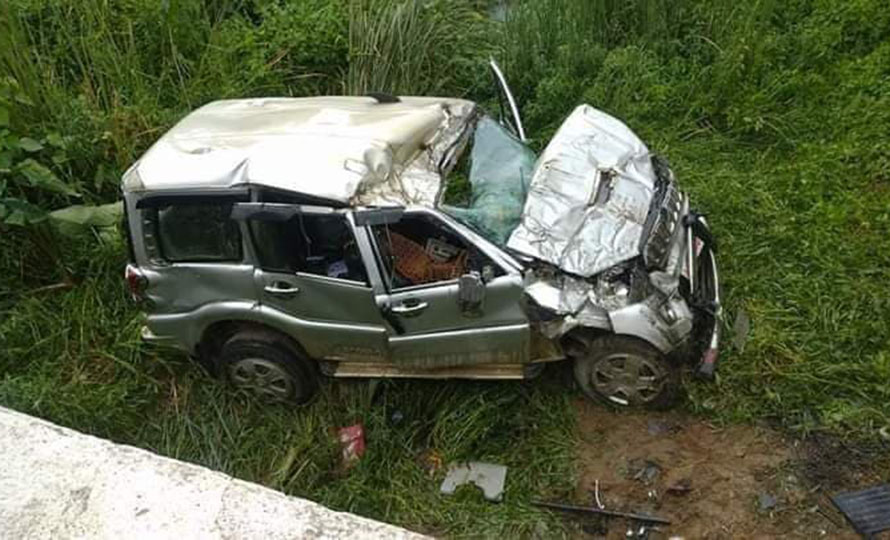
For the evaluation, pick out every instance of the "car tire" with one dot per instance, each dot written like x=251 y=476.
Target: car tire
x=267 y=365
x=627 y=372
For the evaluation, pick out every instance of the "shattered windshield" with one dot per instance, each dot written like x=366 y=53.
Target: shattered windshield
x=488 y=187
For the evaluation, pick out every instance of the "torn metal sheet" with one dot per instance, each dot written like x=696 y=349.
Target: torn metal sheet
x=580 y=302
x=590 y=196
x=354 y=150
x=488 y=477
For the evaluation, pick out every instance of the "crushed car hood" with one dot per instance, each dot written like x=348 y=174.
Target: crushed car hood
x=589 y=197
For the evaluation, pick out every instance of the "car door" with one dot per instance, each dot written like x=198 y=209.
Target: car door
x=308 y=270
x=429 y=326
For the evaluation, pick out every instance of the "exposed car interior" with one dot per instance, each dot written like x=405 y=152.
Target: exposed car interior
x=314 y=244
x=419 y=250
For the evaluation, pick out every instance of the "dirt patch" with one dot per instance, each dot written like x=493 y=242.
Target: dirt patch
x=711 y=482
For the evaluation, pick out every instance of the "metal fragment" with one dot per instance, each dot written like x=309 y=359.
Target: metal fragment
x=488 y=477
x=593 y=510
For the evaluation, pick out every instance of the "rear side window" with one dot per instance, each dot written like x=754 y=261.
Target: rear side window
x=322 y=245
x=197 y=233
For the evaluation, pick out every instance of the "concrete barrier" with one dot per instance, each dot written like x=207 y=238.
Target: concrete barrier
x=58 y=483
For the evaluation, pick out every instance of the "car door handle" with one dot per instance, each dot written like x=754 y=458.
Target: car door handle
x=277 y=289
x=410 y=310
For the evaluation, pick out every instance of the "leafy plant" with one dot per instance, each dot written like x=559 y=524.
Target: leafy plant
x=27 y=183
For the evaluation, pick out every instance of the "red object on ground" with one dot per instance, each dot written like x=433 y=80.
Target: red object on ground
x=352 y=441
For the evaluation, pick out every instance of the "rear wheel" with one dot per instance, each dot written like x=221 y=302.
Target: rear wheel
x=269 y=367
x=626 y=372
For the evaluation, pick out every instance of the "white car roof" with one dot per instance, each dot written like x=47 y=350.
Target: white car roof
x=354 y=150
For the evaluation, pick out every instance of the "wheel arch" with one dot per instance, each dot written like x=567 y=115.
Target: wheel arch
x=215 y=334
x=576 y=341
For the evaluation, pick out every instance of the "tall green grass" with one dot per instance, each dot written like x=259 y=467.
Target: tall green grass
x=775 y=116
x=416 y=48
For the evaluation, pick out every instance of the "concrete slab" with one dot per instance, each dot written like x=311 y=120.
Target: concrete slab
x=58 y=483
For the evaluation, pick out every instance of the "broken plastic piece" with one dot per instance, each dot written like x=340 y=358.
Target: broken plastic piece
x=488 y=477
x=352 y=442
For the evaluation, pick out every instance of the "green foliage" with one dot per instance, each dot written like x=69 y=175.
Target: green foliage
x=775 y=115
x=25 y=181
x=417 y=48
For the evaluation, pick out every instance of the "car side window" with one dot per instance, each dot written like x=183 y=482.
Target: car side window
x=196 y=233
x=422 y=250
x=322 y=245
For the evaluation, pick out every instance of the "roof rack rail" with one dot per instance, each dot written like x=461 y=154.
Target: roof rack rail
x=383 y=97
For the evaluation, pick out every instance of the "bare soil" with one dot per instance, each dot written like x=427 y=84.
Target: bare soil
x=738 y=481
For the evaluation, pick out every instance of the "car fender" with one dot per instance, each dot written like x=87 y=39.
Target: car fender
x=648 y=321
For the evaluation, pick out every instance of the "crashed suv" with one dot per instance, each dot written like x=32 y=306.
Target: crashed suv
x=280 y=239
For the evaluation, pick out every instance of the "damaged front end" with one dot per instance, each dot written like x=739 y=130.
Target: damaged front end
x=611 y=242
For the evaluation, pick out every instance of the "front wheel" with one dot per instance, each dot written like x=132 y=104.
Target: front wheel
x=626 y=372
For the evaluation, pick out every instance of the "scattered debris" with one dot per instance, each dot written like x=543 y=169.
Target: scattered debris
x=681 y=487
x=594 y=510
x=430 y=461
x=352 y=443
x=766 y=501
x=868 y=510
x=722 y=499
x=488 y=477
x=596 y=494
x=645 y=473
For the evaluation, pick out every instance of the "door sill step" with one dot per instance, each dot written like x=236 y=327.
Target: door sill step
x=482 y=371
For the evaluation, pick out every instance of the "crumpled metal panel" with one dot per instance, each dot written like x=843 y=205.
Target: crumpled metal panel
x=419 y=182
x=348 y=149
x=590 y=196
x=579 y=302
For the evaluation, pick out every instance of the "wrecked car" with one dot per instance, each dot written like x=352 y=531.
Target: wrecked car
x=280 y=239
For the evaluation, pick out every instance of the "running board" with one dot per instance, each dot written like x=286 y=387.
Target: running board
x=482 y=371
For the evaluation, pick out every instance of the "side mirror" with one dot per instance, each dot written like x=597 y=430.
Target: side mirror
x=470 y=294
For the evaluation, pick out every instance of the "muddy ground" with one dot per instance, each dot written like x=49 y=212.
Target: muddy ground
x=714 y=482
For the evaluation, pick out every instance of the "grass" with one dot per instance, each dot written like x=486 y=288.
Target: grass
x=72 y=357
x=775 y=117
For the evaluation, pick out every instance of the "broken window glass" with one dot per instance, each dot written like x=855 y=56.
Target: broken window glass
x=500 y=170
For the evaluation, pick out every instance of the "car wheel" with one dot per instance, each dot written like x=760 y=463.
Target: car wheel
x=269 y=367
x=626 y=372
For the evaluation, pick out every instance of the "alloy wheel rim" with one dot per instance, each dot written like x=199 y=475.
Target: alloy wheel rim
x=627 y=379
x=265 y=379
